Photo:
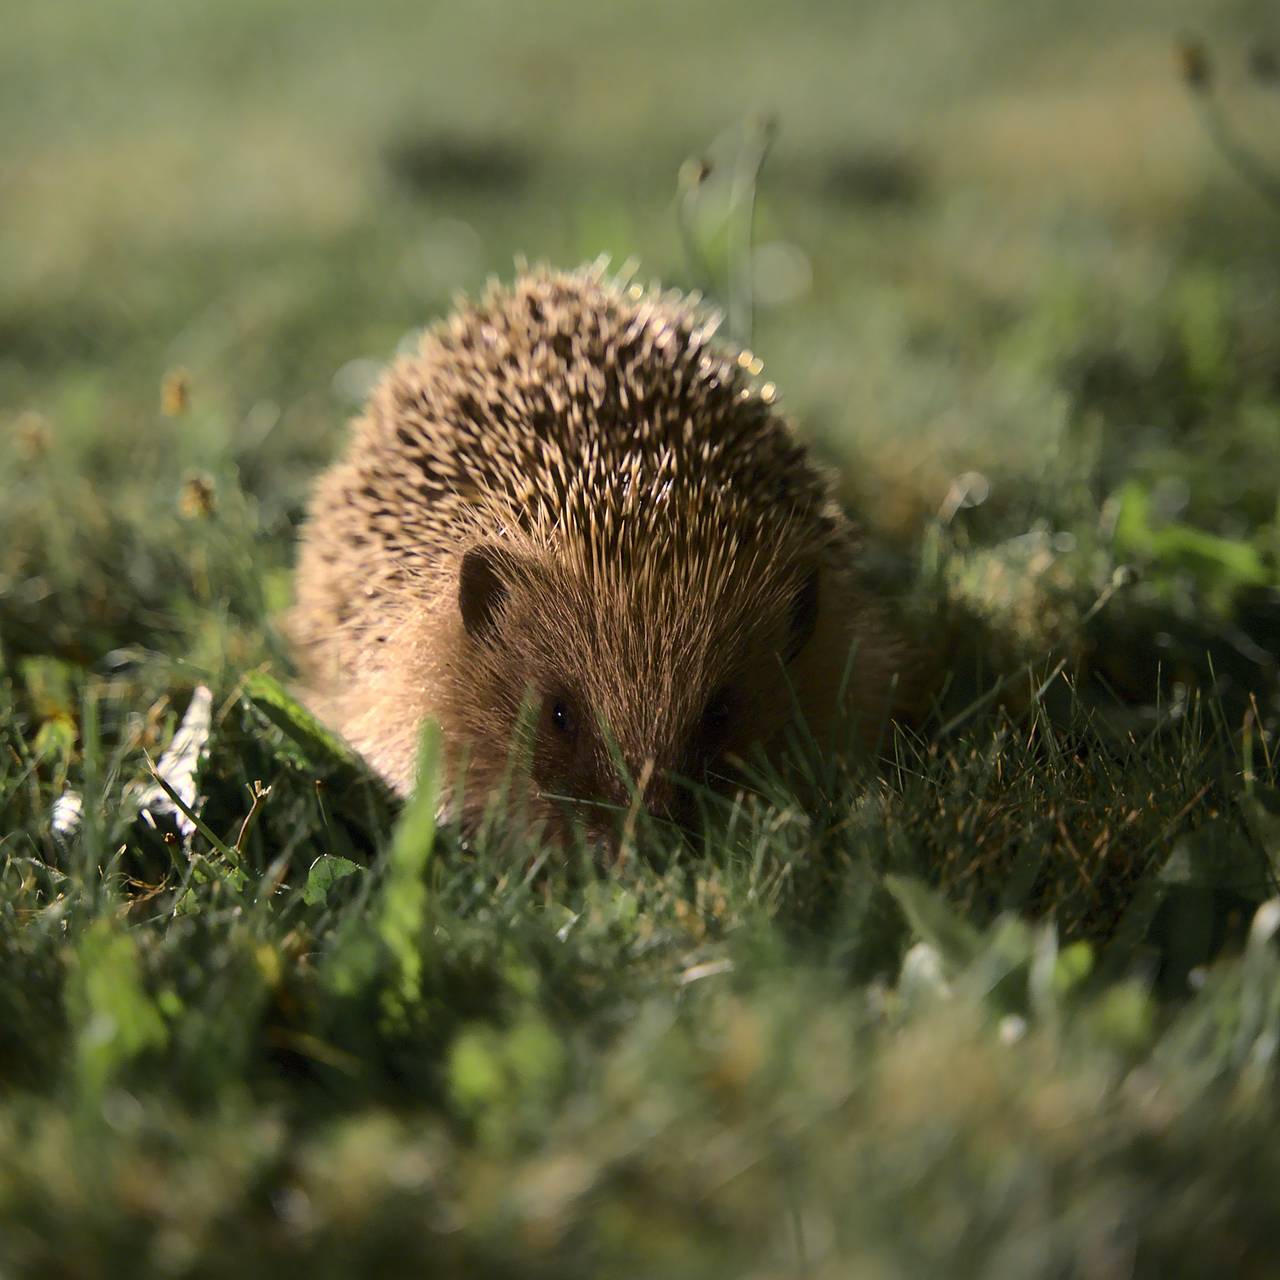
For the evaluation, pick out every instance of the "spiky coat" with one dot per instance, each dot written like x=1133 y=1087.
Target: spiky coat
x=571 y=520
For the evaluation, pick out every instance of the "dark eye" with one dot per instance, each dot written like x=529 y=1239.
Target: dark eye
x=715 y=716
x=562 y=718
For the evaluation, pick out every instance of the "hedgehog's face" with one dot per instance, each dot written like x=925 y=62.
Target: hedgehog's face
x=618 y=698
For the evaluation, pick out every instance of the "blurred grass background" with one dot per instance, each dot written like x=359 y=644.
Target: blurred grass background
x=1025 y=304
x=981 y=229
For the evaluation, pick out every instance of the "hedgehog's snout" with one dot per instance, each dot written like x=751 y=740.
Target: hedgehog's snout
x=662 y=793
x=653 y=788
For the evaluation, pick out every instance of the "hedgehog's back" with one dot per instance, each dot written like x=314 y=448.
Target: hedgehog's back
x=561 y=400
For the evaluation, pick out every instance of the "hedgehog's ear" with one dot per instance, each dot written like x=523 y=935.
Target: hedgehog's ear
x=484 y=582
x=804 y=615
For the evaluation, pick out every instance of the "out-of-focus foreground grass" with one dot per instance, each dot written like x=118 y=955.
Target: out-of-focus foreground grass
x=1006 y=1005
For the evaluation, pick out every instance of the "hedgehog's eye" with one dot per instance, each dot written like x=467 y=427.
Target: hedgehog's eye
x=715 y=715
x=563 y=721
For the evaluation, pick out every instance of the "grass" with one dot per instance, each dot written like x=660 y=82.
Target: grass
x=1004 y=1002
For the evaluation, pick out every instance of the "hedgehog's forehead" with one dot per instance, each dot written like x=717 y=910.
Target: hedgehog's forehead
x=653 y=608
x=686 y=558
x=645 y=655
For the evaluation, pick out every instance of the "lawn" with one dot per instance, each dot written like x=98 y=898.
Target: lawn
x=1002 y=1002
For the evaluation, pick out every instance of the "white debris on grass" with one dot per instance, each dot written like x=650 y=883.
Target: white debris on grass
x=708 y=969
x=68 y=814
x=1266 y=922
x=178 y=766
x=1011 y=1029
x=923 y=974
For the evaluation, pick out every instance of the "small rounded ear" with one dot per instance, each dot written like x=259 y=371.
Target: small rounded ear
x=804 y=616
x=484 y=582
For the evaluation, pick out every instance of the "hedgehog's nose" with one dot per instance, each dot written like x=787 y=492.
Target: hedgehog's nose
x=663 y=797
x=644 y=785
x=654 y=788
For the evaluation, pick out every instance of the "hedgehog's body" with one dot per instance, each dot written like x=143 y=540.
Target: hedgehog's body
x=570 y=512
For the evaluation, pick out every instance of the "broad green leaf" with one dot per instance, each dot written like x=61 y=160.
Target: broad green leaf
x=325 y=872
x=316 y=743
x=1218 y=561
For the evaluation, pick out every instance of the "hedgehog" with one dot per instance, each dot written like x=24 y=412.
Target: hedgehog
x=575 y=531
